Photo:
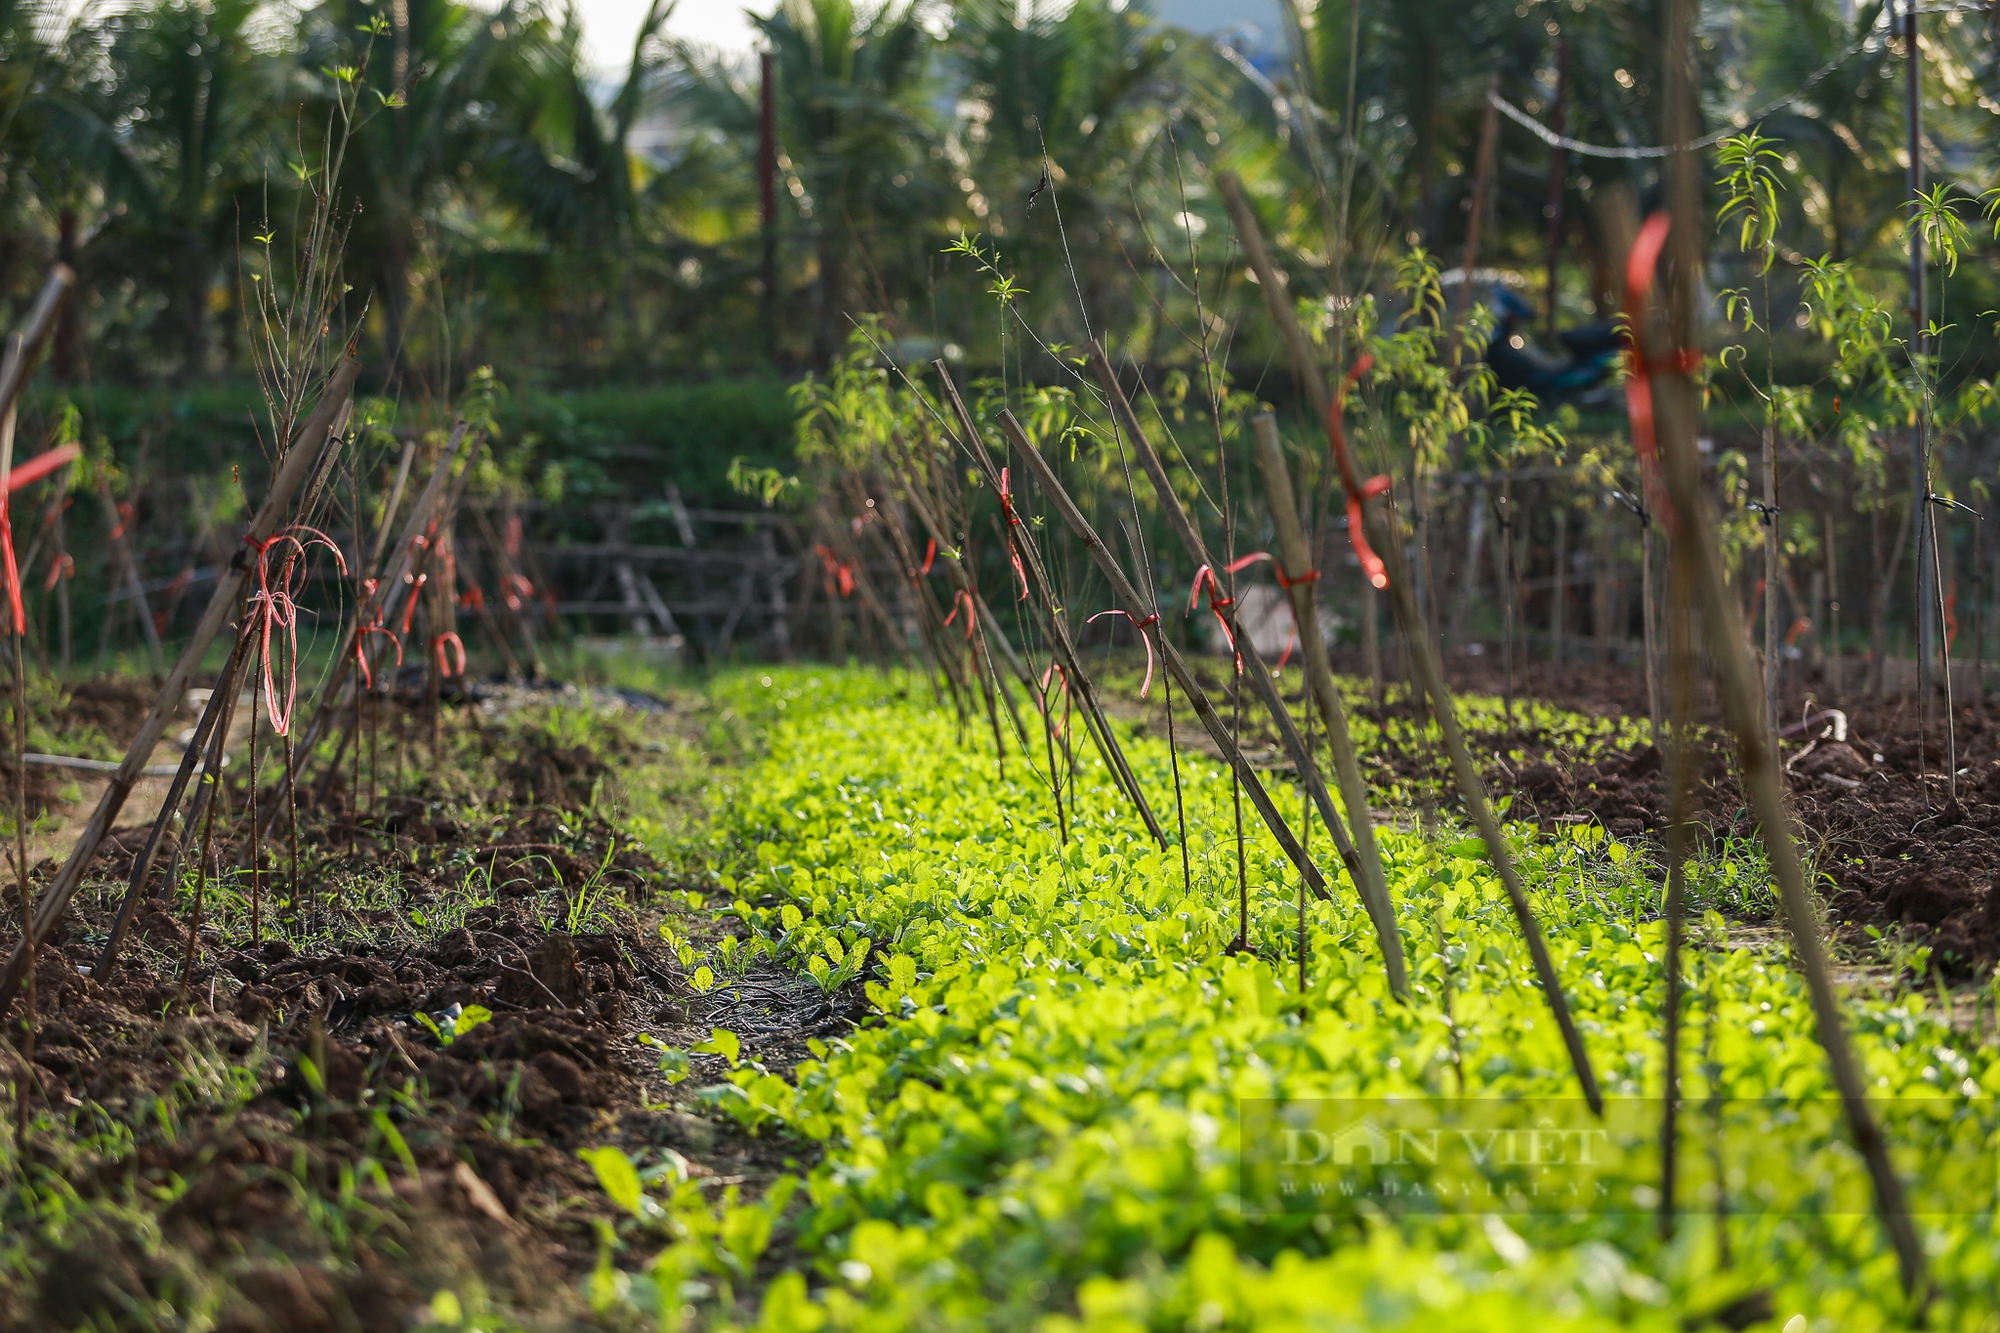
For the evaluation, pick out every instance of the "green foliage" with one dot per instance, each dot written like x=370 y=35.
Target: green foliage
x=1430 y=399
x=1523 y=435
x=617 y=1177
x=465 y=1021
x=1750 y=184
x=767 y=484
x=621 y=442
x=1934 y=217
x=1040 y=1127
x=1874 y=389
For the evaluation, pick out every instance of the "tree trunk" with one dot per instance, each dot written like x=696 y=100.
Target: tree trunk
x=1559 y=606
x=1773 y=626
x=1832 y=647
x=1601 y=589
x=830 y=294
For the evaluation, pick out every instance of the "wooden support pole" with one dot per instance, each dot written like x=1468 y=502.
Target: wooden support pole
x=1302 y=580
x=293 y=469
x=406 y=574
x=1304 y=370
x=1381 y=912
x=1140 y=610
x=1065 y=649
x=1676 y=406
x=1427 y=668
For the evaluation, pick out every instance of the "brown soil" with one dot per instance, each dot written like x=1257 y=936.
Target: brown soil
x=1899 y=846
x=114 y=705
x=280 y=1075
x=1903 y=847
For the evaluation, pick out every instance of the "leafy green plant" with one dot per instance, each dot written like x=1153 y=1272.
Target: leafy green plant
x=1063 y=1047
x=448 y=1027
x=582 y=904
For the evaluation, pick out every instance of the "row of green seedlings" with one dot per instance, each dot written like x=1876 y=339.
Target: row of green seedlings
x=1697 y=581
x=830 y=958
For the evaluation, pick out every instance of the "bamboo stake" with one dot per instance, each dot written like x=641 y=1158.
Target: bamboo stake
x=406 y=563
x=1140 y=611
x=1059 y=638
x=1424 y=660
x=989 y=632
x=1677 y=407
x=203 y=811
x=293 y=469
x=1302 y=582
x=1304 y=369
x=16 y=358
x=221 y=705
x=1380 y=911
x=208 y=794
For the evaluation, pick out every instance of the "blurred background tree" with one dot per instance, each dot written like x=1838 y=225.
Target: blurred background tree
x=510 y=204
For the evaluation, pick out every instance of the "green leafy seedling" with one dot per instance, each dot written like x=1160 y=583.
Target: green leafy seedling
x=722 y=1042
x=468 y=1018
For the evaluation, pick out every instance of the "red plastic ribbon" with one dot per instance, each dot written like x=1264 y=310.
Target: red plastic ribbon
x=452 y=641
x=13 y=574
x=361 y=654
x=1141 y=626
x=1640 y=267
x=1357 y=491
x=410 y=607
x=275 y=609
x=515 y=590
x=32 y=471
x=1217 y=603
x=930 y=554
x=62 y=567
x=838 y=573
x=124 y=520
x=472 y=599
x=962 y=598
x=1013 y=521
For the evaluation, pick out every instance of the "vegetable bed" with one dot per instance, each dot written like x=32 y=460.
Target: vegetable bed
x=1041 y=1126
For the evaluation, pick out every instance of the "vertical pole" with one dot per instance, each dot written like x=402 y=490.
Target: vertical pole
x=1830 y=652
x=1920 y=452
x=1482 y=176
x=1773 y=585
x=1558 y=160
x=1648 y=613
x=1677 y=409
x=25 y=1043
x=767 y=180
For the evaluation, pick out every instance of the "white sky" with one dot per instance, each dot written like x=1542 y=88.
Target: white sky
x=610 y=25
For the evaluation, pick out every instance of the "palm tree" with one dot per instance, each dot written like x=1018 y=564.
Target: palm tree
x=443 y=80
x=1082 y=90
x=855 y=124
x=192 y=101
